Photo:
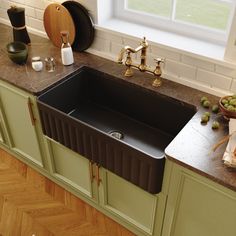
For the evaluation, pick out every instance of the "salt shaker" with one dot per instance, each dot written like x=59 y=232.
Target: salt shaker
x=37 y=63
x=66 y=50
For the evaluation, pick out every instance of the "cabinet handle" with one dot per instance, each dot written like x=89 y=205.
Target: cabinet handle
x=91 y=171
x=98 y=175
x=31 y=112
x=1 y=132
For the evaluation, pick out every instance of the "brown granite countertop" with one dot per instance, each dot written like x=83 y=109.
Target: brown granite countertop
x=190 y=148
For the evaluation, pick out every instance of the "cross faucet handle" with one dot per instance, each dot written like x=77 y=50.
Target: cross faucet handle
x=158 y=70
x=159 y=60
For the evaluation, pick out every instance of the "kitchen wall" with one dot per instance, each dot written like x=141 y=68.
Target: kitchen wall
x=218 y=78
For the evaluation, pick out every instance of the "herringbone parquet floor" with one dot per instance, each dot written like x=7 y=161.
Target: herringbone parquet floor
x=32 y=205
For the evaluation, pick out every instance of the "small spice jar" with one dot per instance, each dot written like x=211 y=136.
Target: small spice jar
x=50 y=64
x=37 y=64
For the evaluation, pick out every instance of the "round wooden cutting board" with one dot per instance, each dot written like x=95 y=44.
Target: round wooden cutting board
x=56 y=19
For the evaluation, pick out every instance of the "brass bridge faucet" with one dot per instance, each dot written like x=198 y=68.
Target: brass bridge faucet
x=143 y=65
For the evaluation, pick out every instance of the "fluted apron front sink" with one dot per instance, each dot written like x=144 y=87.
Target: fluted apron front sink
x=120 y=126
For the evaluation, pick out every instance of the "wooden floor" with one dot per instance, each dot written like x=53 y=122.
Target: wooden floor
x=32 y=205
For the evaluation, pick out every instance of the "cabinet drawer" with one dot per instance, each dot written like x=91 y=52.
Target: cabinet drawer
x=70 y=167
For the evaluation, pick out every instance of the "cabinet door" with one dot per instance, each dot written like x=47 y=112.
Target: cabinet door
x=197 y=206
x=130 y=203
x=15 y=106
x=71 y=168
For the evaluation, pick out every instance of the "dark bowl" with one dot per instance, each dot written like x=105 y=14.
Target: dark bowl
x=17 y=52
x=224 y=111
x=16 y=46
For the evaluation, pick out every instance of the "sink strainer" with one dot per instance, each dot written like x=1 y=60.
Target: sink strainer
x=116 y=134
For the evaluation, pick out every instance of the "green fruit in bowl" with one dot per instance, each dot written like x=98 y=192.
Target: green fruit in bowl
x=227 y=106
x=224 y=101
x=232 y=102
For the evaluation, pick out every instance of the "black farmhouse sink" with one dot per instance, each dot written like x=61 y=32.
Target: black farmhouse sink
x=120 y=126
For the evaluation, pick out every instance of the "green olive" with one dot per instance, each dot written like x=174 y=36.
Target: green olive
x=230 y=108
x=215 y=125
x=229 y=98
x=208 y=114
x=224 y=101
x=226 y=105
x=232 y=102
x=203 y=99
x=204 y=119
x=215 y=108
x=234 y=96
x=206 y=104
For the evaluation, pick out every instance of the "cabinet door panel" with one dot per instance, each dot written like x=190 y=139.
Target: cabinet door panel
x=198 y=206
x=203 y=210
x=22 y=133
x=71 y=168
x=129 y=202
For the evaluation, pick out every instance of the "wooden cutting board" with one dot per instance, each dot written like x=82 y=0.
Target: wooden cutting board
x=56 y=19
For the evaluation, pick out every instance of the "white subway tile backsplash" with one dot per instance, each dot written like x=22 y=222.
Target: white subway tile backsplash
x=186 y=69
x=34 y=23
x=180 y=69
x=115 y=48
x=213 y=79
x=165 y=53
x=30 y=11
x=3 y=14
x=151 y=60
x=5 y=4
x=197 y=62
x=18 y=1
x=197 y=85
x=114 y=38
x=225 y=71
x=101 y=44
x=233 y=86
x=131 y=42
x=39 y=14
x=41 y=4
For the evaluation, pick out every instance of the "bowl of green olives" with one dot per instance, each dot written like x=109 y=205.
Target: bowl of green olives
x=227 y=106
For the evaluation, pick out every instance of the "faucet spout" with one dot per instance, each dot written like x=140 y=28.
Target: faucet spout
x=122 y=52
x=143 y=45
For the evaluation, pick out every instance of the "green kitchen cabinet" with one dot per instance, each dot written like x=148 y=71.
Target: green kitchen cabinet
x=71 y=169
x=136 y=207
x=126 y=203
x=198 y=206
x=20 y=117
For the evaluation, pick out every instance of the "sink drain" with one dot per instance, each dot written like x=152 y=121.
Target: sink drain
x=116 y=134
